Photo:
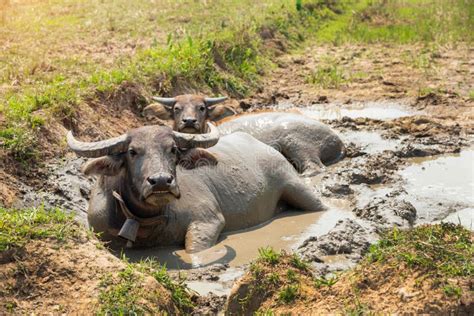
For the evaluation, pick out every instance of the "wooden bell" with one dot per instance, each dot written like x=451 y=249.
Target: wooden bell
x=129 y=230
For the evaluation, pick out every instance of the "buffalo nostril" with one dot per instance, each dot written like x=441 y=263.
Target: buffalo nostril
x=189 y=120
x=151 y=180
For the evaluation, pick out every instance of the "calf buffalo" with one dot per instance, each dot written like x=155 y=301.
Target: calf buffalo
x=179 y=192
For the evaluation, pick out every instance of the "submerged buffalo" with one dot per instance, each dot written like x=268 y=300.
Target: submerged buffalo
x=308 y=144
x=170 y=190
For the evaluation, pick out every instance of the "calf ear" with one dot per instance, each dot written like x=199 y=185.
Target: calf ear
x=197 y=157
x=218 y=112
x=163 y=112
x=106 y=166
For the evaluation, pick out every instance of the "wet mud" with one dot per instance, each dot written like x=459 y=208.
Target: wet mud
x=401 y=169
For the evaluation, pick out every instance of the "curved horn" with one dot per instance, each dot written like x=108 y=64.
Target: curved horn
x=106 y=147
x=165 y=101
x=185 y=140
x=212 y=101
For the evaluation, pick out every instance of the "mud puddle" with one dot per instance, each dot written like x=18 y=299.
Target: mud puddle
x=442 y=183
x=234 y=249
x=370 y=142
x=216 y=269
x=371 y=110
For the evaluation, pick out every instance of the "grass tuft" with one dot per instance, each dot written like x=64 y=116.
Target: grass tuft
x=288 y=294
x=269 y=255
x=18 y=227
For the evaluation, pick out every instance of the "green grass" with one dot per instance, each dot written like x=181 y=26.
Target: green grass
x=325 y=281
x=179 y=291
x=269 y=255
x=288 y=294
x=202 y=48
x=402 y=21
x=18 y=227
x=327 y=77
x=299 y=263
x=125 y=294
x=441 y=252
x=122 y=296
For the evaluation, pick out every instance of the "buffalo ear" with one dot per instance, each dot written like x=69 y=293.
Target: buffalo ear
x=163 y=112
x=106 y=166
x=219 y=111
x=197 y=157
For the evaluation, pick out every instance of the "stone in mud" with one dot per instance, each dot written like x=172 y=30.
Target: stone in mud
x=347 y=237
x=337 y=189
x=210 y=304
x=388 y=211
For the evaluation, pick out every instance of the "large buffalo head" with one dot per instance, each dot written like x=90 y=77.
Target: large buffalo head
x=148 y=157
x=190 y=112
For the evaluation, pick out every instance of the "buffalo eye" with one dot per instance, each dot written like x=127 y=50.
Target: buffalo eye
x=174 y=150
x=132 y=152
x=176 y=110
x=202 y=108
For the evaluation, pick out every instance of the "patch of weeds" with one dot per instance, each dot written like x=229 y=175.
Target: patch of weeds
x=413 y=21
x=266 y=312
x=288 y=294
x=452 y=290
x=256 y=269
x=121 y=296
x=327 y=77
x=179 y=292
x=17 y=227
x=325 y=281
x=273 y=278
x=10 y=306
x=441 y=250
x=269 y=255
x=292 y=276
x=471 y=95
x=20 y=142
x=298 y=263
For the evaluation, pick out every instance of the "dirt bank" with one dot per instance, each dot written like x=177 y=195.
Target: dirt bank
x=398 y=276
x=51 y=265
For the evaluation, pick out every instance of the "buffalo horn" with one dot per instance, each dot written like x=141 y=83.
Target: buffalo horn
x=184 y=140
x=165 y=101
x=101 y=148
x=212 y=101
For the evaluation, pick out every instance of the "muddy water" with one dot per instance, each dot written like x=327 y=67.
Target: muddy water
x=370 y=142
x=372 y=110
x=284 y=232
x=443 y=183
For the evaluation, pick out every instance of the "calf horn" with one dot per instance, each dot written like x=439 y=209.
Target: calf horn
x=101 y=148
x=212 y=101
x=184 y=140
x=165 y=101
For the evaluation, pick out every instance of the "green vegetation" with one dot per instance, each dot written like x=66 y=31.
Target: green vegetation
x=210 y=50
x=269 y=255
x=330 y=76
x=122 y=296
x=179 y=291
x=399 y=21
x=298 y=263
x=288 y=294
x=18 y=227
x=325 y=281
x=440 y=252
x=126 y=295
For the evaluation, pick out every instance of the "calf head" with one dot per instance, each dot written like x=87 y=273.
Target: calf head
x=190 y=112
x=146 y=158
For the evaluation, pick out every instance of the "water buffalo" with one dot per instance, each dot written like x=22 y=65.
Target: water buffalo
x=180 y=192
x=308 y=144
